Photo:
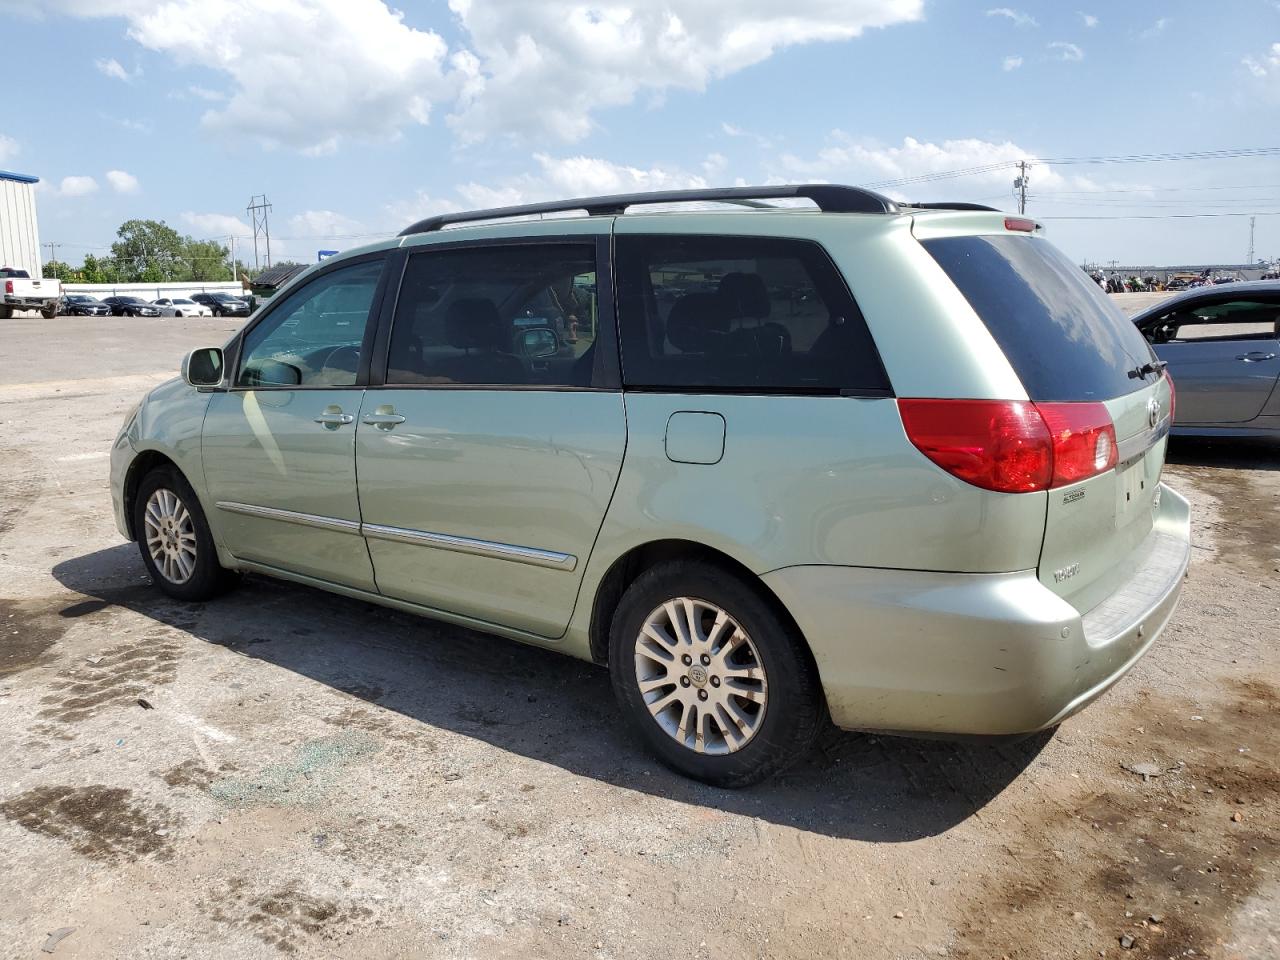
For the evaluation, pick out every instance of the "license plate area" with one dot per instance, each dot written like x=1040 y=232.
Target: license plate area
x=1133 y=489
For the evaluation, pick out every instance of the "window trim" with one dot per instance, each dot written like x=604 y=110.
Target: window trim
x=820 y=250
x=278 y=302
x=606 y=374
x=1198 y=303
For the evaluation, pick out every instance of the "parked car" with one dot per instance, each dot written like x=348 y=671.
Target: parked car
x=891 y=464
x=130 y=307
x=83 y=305
x=1223 y=351
x=181 y=307
x=222 y=304
x=23 y=292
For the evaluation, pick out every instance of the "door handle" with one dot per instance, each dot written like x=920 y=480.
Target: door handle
x=334 y=417
x=1256 y=356
x=384 y=417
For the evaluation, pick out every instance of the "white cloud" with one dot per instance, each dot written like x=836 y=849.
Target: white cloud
x=1089 y=19
x=1010 y=63
x=324 y=224
x=122 y=182
x=1017 y=16
x=355 y=69
x=112 y=68
x=989 y=167
x=204 y=93
x=714 y=164
x=541 y=69
x=8 y=148
x=1066 y=52
x=77 y=186
x=216 y=225
x=1266 y=67
x=1155 y=29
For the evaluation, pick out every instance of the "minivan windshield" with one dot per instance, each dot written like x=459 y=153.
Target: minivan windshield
x=1063 y=336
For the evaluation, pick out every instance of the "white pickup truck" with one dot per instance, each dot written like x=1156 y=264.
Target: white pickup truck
x=20 y=292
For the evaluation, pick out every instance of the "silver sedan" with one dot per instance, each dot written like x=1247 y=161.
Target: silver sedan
x=1222 y=346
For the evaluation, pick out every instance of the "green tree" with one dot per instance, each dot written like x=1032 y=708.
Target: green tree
x=148 y=250
x=205 y=260
x=95 y=270
x=57 y=270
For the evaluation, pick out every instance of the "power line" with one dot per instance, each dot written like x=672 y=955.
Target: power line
x=1161 y=216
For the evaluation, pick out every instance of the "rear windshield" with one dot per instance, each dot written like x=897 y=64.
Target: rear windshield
x=1064 y=338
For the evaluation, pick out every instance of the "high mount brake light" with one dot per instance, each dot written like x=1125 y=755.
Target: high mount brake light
x=1020 y=224
x=1012 y=446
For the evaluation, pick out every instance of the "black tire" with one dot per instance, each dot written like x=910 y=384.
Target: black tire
x=207 y=579
x=49 y=314
x=217 y=312
x=794 y=713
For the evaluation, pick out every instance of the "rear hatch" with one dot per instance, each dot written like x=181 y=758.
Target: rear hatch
x=1069 y=344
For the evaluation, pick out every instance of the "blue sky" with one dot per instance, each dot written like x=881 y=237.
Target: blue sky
x=356 y=117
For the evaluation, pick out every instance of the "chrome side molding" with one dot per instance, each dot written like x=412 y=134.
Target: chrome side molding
x=422 y=538
x=479 y=548
x=291 y=516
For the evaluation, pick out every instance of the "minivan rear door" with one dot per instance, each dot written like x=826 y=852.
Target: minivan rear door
x=1068 y=343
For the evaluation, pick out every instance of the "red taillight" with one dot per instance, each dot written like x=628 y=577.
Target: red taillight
x=1084 y=440
x=998 y=445
x=8 y=286
x=1012 y=446
x=1173 y=398
x=1021 y=224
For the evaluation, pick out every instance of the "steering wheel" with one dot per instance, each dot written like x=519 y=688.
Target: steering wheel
x=344 y=359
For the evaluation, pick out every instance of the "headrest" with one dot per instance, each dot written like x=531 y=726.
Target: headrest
x=473 y=323
x=695 y=322
x=744 y=295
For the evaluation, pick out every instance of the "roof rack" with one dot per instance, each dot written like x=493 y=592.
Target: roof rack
x=829 y=198
x=950 y=205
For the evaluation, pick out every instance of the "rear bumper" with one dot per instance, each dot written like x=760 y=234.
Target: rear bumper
x=30 y=303
x=979 y=654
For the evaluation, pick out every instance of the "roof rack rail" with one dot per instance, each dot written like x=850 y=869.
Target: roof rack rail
x=829 y=198
x=950 y=205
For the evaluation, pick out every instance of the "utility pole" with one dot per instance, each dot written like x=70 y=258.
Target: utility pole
x=258 y=209
x=232 y=238
x=1020 y=184
x=1249 y=258
x=51 y=245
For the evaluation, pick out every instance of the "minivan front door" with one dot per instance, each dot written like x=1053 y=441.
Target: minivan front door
x=279 y=446
x=488 y=459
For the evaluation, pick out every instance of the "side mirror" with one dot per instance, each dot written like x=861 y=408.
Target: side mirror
x=203 y=367
x=539 y=343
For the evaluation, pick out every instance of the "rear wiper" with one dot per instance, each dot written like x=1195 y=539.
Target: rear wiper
x=1154 y=366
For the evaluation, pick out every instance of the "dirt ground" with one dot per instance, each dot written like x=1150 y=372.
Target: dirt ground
x=283 y=772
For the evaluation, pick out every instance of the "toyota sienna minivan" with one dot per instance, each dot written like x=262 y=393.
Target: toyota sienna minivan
x=773 y=455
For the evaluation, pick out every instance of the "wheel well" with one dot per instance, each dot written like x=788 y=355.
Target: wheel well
x=142 y=464
x=636 y=561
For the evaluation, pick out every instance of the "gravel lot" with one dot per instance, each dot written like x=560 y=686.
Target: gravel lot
x=286 y=772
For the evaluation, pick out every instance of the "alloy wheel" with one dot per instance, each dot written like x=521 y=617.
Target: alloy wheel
x=701 y=676
x=170 y=536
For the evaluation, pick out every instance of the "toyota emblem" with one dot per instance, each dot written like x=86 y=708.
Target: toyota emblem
x=1153 y=411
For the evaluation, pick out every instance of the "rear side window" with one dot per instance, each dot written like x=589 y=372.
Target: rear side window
x=750 y=314
x=1065 y=340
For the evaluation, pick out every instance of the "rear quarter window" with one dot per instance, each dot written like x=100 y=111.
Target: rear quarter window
x=740 y=314
x=1064 y=338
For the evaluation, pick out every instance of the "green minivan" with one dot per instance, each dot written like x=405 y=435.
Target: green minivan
x=776 y=456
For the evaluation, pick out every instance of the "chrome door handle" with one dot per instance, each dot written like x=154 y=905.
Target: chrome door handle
x=1256 y=356
x=384 y=417
x=334 y=419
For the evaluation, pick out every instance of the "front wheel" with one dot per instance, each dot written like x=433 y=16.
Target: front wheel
x=174 y=538
x=715 y=681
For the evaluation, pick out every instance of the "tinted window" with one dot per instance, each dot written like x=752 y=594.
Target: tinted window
x=315 y=336
x=1063 y=337
x=505 y=316
x=1233 y=320
x=740 y=313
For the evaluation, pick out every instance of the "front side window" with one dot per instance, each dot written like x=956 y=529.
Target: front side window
x=520 y=315
x=316 y=336
x=740 y=313
x=1233 y=320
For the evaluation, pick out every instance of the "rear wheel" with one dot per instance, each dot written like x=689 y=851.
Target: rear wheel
x=50 y=313
x=715 y=682
x=217 y=312
x=6 y=313
x=174 y=538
